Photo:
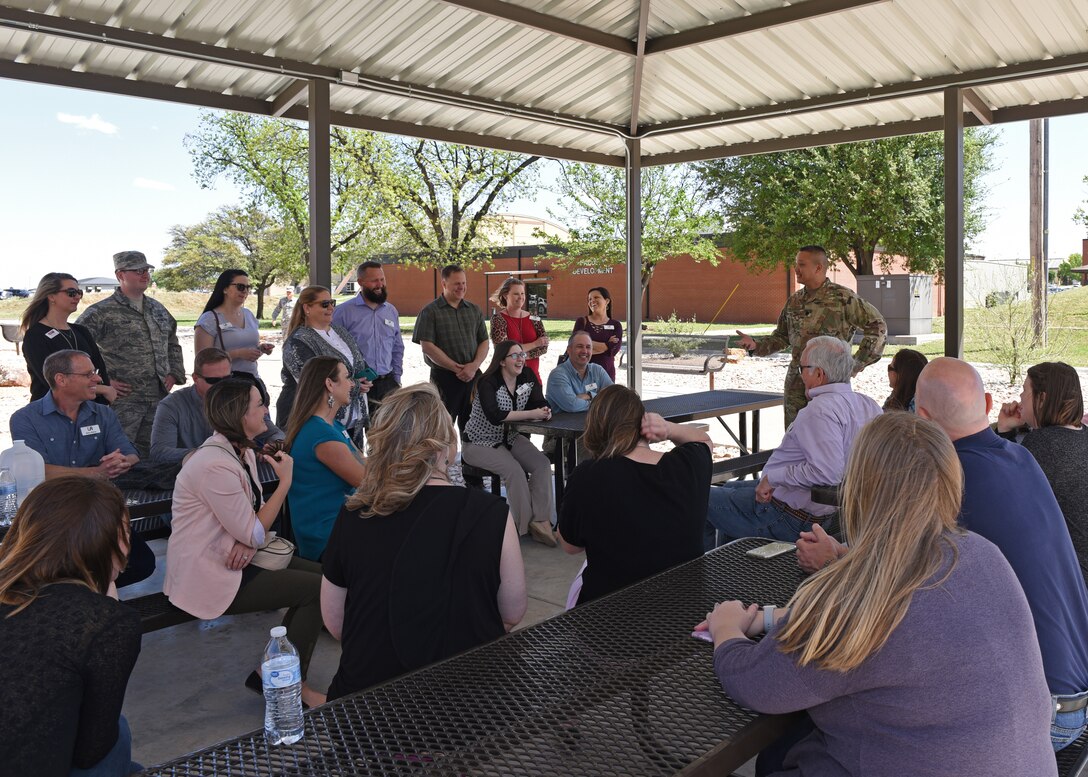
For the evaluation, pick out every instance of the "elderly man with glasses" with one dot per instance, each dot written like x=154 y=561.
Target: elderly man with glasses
x=812 y=453
x=138 y=339
x=180 y=424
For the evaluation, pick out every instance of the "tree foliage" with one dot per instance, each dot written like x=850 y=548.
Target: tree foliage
x=430 y=202
x=1063 y=273
x=850 y=198
x=248 y=239
x=675 y=220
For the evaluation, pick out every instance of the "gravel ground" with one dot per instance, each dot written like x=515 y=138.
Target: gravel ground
x=756 y=374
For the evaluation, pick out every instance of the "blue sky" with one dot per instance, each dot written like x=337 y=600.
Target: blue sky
x=88 y=174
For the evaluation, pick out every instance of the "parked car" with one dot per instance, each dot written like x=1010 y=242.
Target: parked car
x=13 y=292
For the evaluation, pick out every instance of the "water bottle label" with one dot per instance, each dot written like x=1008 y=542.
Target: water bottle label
x=282 y=676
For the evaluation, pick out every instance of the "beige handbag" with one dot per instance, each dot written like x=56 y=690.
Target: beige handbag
x=276 y=553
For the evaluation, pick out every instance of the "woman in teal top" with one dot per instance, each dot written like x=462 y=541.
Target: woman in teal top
x=328 y=466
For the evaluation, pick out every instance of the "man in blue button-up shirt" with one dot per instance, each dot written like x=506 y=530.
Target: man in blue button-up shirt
x=375 y=325
x=573 y=384
x=75 y=435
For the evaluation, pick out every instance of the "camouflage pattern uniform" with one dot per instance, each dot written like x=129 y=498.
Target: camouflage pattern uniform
x=829 y=310
x=140 y=348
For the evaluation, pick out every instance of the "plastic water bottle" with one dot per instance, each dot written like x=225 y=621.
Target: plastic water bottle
x=8 y=497
x=281 y=675
x=27 y=467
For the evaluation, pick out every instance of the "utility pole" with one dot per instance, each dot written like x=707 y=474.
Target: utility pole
x=1037 y=242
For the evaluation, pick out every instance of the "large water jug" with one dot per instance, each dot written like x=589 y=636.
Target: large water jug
x=26 y=464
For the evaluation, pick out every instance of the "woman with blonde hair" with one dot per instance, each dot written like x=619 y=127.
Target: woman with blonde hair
x=514 y=322
x=416 y=569
x=46 y=330
x=328 y=466
x=312 y=333
x=917 y=647
x=633 y=510
x=68 y=647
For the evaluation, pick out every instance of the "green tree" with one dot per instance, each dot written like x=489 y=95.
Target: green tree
x=675 y=220
x=850 y=198
x=247 y=238
x=1063 y=273
x=440 y=198
x=268 y=160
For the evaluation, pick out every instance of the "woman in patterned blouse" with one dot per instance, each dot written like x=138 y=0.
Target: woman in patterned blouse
x=513 y=322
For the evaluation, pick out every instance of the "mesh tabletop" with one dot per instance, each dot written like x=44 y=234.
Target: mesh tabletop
x=678 y=409
x=616 y=687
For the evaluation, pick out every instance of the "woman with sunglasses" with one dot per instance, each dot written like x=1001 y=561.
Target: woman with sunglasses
x=509 y=392
x=311 y=333
x=46 y=330
x=226 y=323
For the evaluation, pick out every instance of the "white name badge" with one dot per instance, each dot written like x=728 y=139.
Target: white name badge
x=89 y=430
x=608 y=326
x=591 y=387
x=388 y=323
x=52 y=333
x=534 y=318
x=524 y=389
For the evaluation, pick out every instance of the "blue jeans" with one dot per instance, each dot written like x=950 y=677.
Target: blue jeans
x=1066 y=727
x=118 y=761
x=734 y=511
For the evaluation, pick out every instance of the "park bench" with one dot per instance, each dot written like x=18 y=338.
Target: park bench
x=660 y=353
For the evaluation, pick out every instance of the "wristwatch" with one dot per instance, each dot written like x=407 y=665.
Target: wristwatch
x=768 y=617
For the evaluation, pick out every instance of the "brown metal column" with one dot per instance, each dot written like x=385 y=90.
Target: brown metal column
x=634 y=265
x=320 y=199
x=953 y=222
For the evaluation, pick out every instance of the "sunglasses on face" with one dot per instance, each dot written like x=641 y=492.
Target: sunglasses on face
x=208 y=380
x=144 y=271
x=242 y=287
x=327 y=303
x=73 y=293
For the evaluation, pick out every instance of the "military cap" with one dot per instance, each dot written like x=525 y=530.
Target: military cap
x=131 y=260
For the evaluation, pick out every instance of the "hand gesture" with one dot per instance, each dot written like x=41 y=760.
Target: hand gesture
x=282 y=464
x=249 y=354
x=745 y=341
x=109 y=392
x=730 y=617
x=113 y=464
x=816 y=549
x=365 y=385
x=267 y=348
x=543 y=413
x=466 y=372
x=123 y=389
x=1009 y=417
x=654 y=428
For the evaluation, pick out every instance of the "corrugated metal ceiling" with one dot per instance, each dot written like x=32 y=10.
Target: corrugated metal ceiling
x=558 y=77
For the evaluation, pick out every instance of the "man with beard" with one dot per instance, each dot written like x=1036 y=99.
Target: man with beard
x=375 y=325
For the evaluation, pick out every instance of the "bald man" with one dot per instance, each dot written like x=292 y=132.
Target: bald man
x=1007 y=500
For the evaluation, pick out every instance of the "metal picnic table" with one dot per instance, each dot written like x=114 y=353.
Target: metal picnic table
x=616 y=686
x=681 y=408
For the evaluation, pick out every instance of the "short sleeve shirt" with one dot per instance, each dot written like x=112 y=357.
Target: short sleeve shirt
x=458 y=331
x=248 y=336
x=317 y=493
x=62 y=443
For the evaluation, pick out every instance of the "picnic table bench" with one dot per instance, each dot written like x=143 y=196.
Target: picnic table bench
x=707 y=356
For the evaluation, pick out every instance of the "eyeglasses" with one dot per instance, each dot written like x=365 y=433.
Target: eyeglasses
x=209 y=380
x=87 y=375
x=327 y=303
x=242 y=287
x=73 y=293
x=518 y=357
x=144 y=271
x=802 y=367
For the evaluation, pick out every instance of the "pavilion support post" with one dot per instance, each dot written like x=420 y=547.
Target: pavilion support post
x=320 y=199
x=1037 y=230
x=953 y=222
x=633 y=167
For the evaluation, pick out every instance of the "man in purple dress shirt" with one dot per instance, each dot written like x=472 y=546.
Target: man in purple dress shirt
x=375 y=325
x=813 y=452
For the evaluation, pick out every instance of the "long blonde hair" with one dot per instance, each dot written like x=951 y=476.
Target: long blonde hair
x=901 y=497
x=411 y=435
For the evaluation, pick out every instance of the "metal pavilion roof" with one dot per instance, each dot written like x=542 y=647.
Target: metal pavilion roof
x=574 y=79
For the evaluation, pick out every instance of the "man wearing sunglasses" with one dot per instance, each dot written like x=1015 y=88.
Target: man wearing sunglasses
x=180 y=424
x=138 y=340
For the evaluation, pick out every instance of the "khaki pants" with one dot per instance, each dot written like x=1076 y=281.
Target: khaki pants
x=528 y=476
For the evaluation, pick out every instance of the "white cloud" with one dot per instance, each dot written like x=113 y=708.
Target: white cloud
x=95 y=123
x=148 y=183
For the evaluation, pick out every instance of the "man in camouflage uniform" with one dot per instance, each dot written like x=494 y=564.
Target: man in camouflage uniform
x=138 y=339
x=820 y=307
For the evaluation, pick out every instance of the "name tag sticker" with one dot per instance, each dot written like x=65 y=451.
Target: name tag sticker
x=534 y=318
x=591 y=387
x=52 y=333
x=608 y=326
x=388 y=323
x=89 y=430
x=524 y=389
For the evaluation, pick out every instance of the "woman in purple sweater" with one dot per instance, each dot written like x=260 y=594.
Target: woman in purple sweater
x=913 y=653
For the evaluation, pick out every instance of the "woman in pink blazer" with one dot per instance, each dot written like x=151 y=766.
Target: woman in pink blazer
x=220 y=521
